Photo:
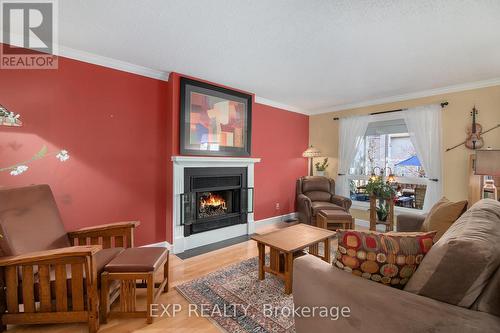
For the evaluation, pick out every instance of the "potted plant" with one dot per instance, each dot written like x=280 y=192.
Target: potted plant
x=382 y=210
x=321 y=167
x=377 y=188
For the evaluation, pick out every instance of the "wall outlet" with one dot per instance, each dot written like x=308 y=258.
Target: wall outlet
x=277 y=206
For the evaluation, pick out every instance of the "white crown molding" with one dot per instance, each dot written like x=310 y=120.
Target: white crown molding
x=415 y=95
x=124 y=66
x=95 y=59
x=265 y=101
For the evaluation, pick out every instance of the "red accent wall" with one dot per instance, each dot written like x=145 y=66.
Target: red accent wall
x=279 y=138
x=113 y=125
x=120 y=130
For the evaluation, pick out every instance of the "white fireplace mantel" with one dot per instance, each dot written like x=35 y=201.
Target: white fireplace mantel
x=181 y=243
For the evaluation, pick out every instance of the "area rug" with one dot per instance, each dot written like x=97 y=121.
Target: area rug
x=235 y=299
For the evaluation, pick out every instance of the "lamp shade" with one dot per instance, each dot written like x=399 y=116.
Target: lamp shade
x=311 y=152
x=487 y=162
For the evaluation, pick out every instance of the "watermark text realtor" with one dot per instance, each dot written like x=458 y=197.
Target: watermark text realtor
x=29 y=34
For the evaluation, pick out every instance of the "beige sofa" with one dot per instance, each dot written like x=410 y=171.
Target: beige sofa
x=378 y=308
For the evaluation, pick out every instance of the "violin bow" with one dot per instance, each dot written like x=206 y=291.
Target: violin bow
x=484 y=132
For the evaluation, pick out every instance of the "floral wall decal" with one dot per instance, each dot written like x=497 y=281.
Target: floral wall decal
x=9 y=118
x=21 y=167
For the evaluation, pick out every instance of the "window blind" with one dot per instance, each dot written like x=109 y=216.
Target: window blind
x=393 y=126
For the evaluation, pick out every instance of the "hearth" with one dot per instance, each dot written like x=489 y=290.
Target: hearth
x=214 y=198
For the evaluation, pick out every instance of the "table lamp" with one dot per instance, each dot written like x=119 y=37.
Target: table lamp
x=488 y=164
x=310 y=153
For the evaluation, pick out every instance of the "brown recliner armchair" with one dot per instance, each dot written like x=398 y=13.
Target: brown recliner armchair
x=315 y=193
x=53 y=274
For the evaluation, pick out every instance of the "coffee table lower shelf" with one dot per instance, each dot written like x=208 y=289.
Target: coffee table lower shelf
x=281 y=263
x=288 y=243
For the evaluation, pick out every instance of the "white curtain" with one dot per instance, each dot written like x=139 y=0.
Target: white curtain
x=351 y=134
x=424 y=127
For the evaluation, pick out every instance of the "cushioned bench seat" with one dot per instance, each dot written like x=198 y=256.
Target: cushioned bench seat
x=129 y=266
x=139 y=259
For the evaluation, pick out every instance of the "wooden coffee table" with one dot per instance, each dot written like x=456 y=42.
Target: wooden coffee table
x=286 y=243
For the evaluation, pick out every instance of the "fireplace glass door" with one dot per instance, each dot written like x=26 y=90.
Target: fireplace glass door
x=206 y=206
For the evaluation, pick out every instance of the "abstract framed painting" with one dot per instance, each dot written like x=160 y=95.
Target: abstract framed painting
x=214 y=121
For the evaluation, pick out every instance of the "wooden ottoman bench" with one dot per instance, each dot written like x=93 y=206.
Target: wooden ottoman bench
x=140 y=263
x=334 y=219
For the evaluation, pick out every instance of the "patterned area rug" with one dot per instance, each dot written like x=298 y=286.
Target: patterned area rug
x=237 y=292
x=238 y=302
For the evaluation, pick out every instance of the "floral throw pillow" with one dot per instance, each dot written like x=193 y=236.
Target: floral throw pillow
x=389 y=258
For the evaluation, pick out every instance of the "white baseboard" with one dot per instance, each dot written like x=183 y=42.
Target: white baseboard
x=159 y=244
x=259 y=224
x=217 y=235
x=273 y=220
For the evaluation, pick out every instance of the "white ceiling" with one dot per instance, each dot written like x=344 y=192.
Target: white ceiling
x=314 y=55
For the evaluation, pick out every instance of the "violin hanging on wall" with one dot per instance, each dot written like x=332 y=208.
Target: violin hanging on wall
x=474 y=140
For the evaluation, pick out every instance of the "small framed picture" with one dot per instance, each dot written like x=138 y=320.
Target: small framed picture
x=214 y=121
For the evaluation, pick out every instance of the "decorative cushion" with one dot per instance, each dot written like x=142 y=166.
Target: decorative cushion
x=442 y=215
x=462 y=262
x=389 y=258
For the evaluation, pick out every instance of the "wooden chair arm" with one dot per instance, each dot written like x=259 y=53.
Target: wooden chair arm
x=34 y=257
x=121 y=232
x=97 y=229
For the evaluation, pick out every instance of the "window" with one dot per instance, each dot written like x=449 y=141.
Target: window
x=387 y=147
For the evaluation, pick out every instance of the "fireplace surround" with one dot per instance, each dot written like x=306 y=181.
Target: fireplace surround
x=184 y=241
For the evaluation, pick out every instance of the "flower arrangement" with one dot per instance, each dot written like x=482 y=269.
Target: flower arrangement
x=322 y=166
x=377 y=187
x=384 y=192
x=22 y=167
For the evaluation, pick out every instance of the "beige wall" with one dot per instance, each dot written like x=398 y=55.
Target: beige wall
x=323 y=131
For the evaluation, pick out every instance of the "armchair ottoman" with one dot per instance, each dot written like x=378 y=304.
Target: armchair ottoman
x=131 y=265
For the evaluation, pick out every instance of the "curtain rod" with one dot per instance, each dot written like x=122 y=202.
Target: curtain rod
x=443 y=104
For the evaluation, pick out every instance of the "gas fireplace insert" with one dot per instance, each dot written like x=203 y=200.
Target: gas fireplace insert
x=214 y=198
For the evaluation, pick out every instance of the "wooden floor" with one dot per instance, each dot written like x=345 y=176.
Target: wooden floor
x=180 y=271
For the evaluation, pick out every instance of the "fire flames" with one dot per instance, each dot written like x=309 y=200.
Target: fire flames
x=213 y=200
